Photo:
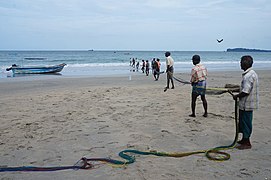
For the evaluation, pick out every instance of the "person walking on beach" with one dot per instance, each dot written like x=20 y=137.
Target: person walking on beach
x=169 y=70
x=198 y=83
x=248 y=101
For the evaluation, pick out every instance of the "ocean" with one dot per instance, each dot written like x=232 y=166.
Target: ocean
x=107 y=63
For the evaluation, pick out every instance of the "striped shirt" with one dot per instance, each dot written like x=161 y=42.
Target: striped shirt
x=198 y=73
x=250 y=86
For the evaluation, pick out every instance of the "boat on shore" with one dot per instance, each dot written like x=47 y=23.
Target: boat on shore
x=36 y=69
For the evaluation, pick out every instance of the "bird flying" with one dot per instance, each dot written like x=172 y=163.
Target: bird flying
x=219 y=41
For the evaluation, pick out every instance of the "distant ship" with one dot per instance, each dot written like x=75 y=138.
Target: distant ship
x=246 y=50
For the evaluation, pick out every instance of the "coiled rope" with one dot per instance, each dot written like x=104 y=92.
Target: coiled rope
x=214 y=154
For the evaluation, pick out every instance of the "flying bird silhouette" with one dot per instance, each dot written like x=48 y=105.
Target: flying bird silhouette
x=219 y=41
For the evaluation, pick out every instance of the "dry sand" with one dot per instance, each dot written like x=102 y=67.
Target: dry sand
x=56 y=121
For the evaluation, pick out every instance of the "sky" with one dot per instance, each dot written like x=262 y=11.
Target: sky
x=181 y=25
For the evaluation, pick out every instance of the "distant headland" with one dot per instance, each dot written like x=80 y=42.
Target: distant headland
x=246 y=50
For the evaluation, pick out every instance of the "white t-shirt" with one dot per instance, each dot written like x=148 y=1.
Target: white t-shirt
x=169 y=61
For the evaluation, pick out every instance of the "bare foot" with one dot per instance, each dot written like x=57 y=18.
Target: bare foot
x=192 y=115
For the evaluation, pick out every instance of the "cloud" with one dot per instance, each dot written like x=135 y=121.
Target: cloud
x=180 y=20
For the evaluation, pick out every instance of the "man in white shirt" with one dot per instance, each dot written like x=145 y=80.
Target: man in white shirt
x=169 y=70
x=248 y=101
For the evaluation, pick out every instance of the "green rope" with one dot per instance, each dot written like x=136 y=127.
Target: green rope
x=84 y=163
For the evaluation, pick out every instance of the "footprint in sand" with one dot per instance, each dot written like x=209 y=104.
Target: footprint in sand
x=104 y=132
x=222 y=116
x=244 y=171
x=166 y=131
x=100 y=128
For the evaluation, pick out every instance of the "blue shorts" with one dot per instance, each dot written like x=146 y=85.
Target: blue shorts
x=199 y=88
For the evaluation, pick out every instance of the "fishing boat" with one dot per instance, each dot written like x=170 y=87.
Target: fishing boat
x=36 y=69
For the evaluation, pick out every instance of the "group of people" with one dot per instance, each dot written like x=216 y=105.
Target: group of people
x=248 y=96
x=146 y=66
x=156 y=64
x=134 y=63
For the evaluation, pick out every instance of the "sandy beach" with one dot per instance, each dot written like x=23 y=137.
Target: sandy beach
x=56 y=121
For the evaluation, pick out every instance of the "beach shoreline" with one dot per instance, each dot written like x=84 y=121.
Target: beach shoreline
x=9 y=77
x=57 y=120
x=92 y=72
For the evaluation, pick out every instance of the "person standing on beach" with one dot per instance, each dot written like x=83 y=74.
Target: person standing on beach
x=153 y=65
x=156 y=71
x=147 y=68
x=137 y=65
x=169 y=70
x=248 y=101
x=198 y=83
x=143 y=66
x=133 y=63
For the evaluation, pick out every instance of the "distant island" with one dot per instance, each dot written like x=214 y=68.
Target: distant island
x=246 y=50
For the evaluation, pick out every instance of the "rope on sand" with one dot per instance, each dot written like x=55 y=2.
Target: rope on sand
x=214 y=154
x=213 y=90
x=181 y=80
x=81 y=164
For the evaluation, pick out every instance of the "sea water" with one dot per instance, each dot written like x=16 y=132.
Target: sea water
x=107 y=63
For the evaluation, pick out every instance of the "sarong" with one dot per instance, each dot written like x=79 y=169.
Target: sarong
x=170 y=73
x=199 y=88
x=245 y=123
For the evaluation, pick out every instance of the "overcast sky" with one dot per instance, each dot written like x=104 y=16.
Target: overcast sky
x=134 y=24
